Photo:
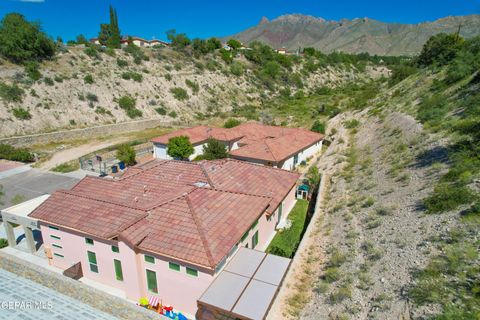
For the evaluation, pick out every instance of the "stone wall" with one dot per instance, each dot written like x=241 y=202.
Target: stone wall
x=85 y=133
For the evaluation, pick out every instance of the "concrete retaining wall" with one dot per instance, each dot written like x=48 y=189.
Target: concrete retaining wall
x=85 y=133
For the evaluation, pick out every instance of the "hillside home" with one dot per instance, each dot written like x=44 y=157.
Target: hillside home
x=165 y=228
x=279 y=147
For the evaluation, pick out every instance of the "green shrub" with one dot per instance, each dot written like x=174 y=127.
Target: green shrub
x=237 y=68
x=122 y=63
x=88 y=79
x=102 y=111
x=126 y=102
x=48 y=81
x=21 y=40
x=134 y=113
x=180 y=147
x=10 y=153
x=214 y=149
x=432 y=109
x=192 y=85
x=67 y=167
x=161 y=111
x=179 y=93
x=340 y=294
x=91 y=52
x=351 y=124
x=11 y=93
x=3 y=243
x=318 y=126
x=126 y=154
x=331 y=274
x=92 y=97
x=31 y=69
x=232 y=122
x=21 y=113
x=132 y=75
x=172 y=114
x=447 y=197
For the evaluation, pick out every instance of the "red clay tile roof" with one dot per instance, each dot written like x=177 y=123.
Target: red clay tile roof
x=194 y=212
x=200 y=134
x=96 y=217
x=256 y=141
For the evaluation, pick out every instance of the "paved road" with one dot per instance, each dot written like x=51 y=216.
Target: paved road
x=33 y=183
x=23 y=299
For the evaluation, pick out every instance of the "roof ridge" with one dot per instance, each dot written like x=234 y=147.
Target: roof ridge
x=210 y=182
x=144 y=170
x=172 y=199
x=200 y=232
x=239 y=192
x=69 y=192
x=270 y=150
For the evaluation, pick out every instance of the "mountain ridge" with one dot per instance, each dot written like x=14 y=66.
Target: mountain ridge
x=294 y=31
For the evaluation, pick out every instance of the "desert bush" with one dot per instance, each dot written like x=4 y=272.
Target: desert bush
x=192 y=85
x=122 y=63
x=161 y=111
x=351 y=124
x=15 y=154
x=11 y=93
x=232 y=122
x=32 y=70
x=446 y=197
x=92 y=97
x=179 y=93
x=88 y=79
x=21 y=113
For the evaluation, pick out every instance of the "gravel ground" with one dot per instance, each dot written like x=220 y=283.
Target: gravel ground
x=374 y=233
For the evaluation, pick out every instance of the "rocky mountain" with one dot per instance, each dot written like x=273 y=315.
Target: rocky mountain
x=358 y=35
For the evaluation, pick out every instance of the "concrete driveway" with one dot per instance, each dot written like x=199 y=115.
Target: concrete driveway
x=32 y=183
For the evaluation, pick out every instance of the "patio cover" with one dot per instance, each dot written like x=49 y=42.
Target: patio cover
x=247 y=286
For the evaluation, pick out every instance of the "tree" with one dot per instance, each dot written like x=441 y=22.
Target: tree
x=234 y=44
x=313 y=176
x=214 y=149
x=21 y=40
x=180 y=147
x=126 y=154
x=104 y=34
x=232 y=122
x=318 y=127
x=114 y=41
x=80 y=39
x=109 y=34
x=440 y=49
x=178 y=41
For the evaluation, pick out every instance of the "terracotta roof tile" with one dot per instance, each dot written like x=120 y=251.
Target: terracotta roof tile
x=159 y=207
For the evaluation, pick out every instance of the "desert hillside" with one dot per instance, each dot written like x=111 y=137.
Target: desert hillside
x=83 y=87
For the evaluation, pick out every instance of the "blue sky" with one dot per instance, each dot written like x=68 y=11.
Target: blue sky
x=205 y=18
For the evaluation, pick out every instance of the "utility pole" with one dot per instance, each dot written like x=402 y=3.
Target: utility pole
x=458 y=32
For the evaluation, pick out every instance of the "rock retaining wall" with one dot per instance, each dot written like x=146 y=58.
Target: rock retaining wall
x=85 y=133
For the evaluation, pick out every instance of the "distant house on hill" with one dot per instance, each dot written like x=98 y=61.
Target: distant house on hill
x=282 y=51
x=141 y=42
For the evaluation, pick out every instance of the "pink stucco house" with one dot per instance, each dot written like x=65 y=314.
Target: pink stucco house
x=165 y=228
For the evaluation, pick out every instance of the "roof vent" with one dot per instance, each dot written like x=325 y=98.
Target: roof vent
x=200 y=184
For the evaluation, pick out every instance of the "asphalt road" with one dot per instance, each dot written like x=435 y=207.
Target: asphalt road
x=30 y=184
